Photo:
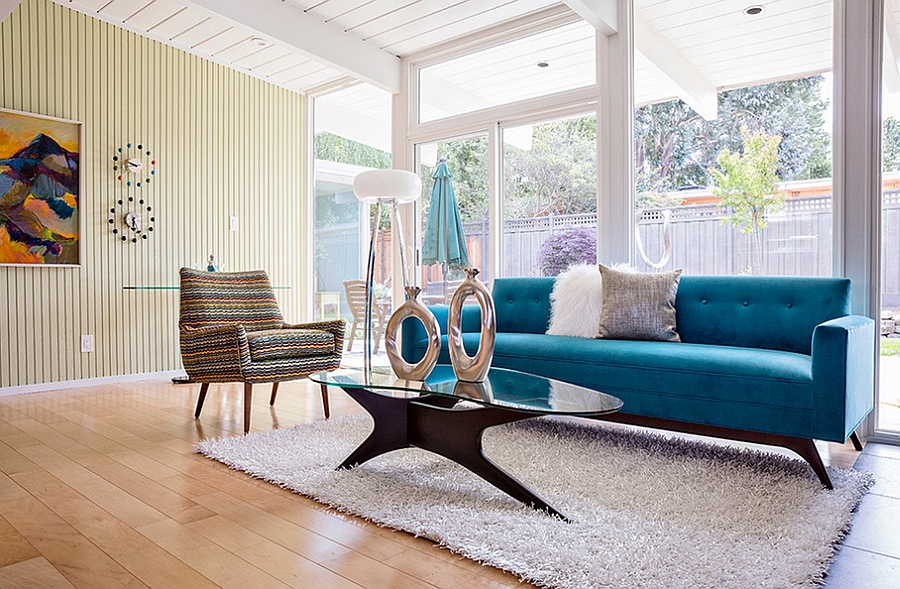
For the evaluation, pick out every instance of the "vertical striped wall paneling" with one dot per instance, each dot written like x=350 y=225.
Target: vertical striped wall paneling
x=225 y=144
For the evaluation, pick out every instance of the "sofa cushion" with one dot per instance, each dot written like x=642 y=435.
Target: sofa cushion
x=775 y=312
x=576 y=302
x=522 y=306
x=638 y=306
x=274 y=344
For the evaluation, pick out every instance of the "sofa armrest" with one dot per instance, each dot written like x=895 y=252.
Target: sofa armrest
x=337 y=327
x=843 y=371
x=215 y=353
x=412 y=331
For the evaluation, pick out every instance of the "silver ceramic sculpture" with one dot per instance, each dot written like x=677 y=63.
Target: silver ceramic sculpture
x=412 y=307
x=468 y=368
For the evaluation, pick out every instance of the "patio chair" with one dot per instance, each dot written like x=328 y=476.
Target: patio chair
x=232 y=330
x=356 y=300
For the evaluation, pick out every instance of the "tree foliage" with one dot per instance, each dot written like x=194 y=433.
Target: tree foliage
x=676 y=148
x=748 y=184
x=334 y=148
x=890 y=149
x=568 y=247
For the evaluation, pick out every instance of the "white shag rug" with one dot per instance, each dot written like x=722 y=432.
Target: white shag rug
x=649 y=511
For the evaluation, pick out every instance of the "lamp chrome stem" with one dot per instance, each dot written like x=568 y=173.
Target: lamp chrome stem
x=395 y=218
x=370 y=282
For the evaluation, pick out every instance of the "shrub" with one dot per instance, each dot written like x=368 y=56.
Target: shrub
x=568 y=247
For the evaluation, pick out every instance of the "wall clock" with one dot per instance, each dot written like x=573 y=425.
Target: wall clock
x=132 y=216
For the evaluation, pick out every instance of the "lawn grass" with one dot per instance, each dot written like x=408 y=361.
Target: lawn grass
x=890 y=346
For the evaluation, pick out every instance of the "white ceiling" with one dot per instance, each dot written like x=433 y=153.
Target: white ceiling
x=684 y=48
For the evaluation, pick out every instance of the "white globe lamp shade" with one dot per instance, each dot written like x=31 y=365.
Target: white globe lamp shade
x=372 y=185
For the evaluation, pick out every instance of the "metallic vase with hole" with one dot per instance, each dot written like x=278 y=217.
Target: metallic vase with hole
x=472 y=368
x=412 y=307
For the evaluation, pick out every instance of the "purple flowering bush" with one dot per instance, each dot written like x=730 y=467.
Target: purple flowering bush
x=572 y=246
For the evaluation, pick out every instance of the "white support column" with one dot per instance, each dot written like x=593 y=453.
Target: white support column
x=308 y=221
x=858 y=29
x=615 y=140
x=402 y=158
x=495 y=203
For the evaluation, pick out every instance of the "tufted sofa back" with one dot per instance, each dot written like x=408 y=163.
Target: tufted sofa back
x=772 y=312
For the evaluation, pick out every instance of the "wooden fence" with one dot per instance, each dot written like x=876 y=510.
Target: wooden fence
x=797 y=241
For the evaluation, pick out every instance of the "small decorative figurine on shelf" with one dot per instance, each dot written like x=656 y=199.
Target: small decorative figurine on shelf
x=211 y=265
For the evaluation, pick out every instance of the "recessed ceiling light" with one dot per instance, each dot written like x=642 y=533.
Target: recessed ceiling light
x=259 y=41
x=753 y=10
x=543 y=64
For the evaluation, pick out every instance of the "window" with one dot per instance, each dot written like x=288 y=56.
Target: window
x=549 y=196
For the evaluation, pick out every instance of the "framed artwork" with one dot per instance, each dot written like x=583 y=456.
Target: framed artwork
x=40 y=190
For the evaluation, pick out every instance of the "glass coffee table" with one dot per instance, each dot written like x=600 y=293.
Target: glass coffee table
x=448 y=417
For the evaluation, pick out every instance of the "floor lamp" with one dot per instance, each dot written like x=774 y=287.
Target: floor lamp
x=379 y=186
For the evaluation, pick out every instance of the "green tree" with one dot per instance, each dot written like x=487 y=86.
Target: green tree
x=748 y=184
x=558 y=175
x=675 y=147
x=890 y=144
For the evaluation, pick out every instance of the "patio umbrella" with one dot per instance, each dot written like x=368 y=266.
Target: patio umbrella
x=444 y=241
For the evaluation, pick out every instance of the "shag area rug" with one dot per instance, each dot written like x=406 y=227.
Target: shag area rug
x=649 y=511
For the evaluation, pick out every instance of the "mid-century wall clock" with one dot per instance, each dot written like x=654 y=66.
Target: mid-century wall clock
x=132 y=217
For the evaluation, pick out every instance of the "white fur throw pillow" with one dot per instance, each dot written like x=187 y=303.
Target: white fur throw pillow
x=576 y=302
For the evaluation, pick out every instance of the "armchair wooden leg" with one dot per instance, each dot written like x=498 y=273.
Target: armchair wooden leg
x=274 y=392
x=857 y=444
x=325 y=400
x=248 y=397
x=203 y=389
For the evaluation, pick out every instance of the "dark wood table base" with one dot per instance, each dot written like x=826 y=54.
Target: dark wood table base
x=429 y=423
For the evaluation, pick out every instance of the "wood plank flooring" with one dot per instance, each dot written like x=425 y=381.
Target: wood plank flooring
x=99 y=488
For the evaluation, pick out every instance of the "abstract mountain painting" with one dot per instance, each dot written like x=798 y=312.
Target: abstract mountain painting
x=39 y=190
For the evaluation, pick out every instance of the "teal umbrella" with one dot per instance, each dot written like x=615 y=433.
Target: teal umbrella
x=444 y=241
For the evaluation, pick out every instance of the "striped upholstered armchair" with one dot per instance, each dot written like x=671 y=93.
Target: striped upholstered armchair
x=232 y=330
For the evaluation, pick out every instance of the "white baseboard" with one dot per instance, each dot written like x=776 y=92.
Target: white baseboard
x=87 y=382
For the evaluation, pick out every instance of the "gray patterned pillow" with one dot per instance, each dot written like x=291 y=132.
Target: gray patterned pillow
x=639 y=306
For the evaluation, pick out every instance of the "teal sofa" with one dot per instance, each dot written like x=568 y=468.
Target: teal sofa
x=772 y=360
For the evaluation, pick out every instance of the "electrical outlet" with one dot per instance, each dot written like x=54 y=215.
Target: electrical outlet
x=234 y=223
x=87 y=344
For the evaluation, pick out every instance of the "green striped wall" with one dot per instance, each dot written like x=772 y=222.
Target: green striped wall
x=225 y=144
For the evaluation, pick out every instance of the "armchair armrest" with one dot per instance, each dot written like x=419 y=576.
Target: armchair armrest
x=843 y=371
x=215 y=353
x=337 y=327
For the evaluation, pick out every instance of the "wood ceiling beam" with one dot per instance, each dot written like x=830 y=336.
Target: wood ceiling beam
x=603 y=14
x=694 y=88
x=287 y=24
x=6 y=8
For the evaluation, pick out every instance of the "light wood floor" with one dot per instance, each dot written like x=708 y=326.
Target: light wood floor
x=99 y=488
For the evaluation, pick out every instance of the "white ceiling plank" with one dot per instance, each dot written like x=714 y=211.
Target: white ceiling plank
x=6 y=8
x=122 y=9
x=454 y=22
x=156 y=12
x=695 y=89
x=602 y=14
x=285 y=23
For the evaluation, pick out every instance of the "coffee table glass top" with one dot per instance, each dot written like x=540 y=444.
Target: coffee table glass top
x=503 y=388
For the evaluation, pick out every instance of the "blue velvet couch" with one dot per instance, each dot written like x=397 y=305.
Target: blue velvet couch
x=773 y=360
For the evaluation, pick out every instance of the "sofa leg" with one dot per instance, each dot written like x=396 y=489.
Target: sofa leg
x=203 y=389
x=248 y=397
x=857 y=444
x=325 y=400
x=274 y=392
x=806 y=448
